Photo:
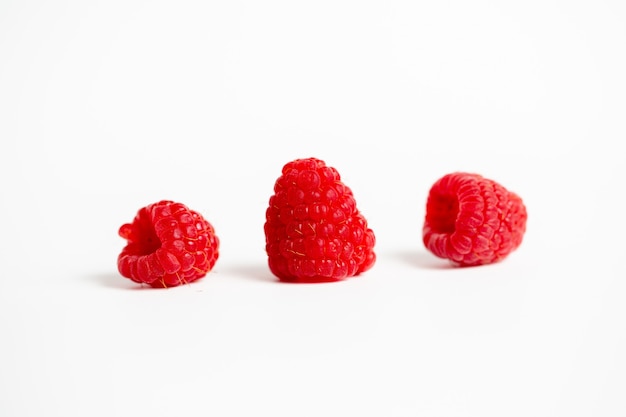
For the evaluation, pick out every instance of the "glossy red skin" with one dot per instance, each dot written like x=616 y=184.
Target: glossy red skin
x=472 y=220
x=313 y=230
x=167 y=245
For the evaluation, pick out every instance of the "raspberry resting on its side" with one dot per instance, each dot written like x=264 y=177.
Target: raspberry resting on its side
x=472 y=220
x=313 y=230
x=167 y=245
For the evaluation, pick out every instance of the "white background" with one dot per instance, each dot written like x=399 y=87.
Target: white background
x=107 y=106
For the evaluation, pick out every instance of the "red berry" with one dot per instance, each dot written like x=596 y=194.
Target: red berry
x=472 y=220
x=167 y=245
x=313 y=230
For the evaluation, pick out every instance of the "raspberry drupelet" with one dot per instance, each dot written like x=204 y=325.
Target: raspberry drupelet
x=314 y=231
x=472 y=220
x=167 y=245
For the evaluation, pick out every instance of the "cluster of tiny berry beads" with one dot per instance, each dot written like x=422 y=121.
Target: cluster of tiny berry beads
x=167 y=245
x=472 y=220
x=313 y=230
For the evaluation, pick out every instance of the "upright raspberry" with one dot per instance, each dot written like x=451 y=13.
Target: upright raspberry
x=472 y=220
x=168 y=245
x=313 y=230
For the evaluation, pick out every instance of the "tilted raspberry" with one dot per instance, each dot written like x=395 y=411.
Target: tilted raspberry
x=472 y=220
x=313 y=230
x=167 y=245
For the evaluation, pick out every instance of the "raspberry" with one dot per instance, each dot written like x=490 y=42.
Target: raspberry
x=168 y=245
x=472 y=220
x=313 y=230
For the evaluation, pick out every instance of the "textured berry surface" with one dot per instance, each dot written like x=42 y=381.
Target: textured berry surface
x=167 y=245
x=472 y=220
x=313 y=230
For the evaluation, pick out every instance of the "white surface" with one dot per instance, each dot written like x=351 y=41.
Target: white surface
x=106 y=106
